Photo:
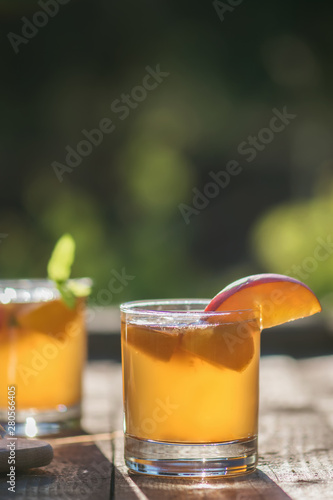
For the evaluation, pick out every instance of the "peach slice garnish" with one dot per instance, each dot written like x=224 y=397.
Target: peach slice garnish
x=280 y=298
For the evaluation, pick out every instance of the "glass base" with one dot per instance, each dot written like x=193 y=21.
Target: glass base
x=193 y=460
x=32 y=423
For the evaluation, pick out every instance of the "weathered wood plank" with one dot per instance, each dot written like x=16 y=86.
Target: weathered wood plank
x=78 y=471
x=295 y=442
x=102 y=398
x=130 y=486
x=295 y=439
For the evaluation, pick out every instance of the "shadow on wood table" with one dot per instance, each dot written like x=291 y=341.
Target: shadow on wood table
x=295 y=444
x=79 y=471
x=250 y=487
x=130 y=486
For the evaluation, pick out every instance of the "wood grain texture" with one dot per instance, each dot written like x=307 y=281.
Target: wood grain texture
x=295 y=445
x=134 y=486
x=295 y=434
x=78 y=471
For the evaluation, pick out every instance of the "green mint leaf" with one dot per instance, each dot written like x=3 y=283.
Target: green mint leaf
x=59 y=270
x=67 y=295
x=80 y=288
x=62 y=258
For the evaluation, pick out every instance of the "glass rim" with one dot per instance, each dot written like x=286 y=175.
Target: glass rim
x=21 y=290
x=36 y=282
x=141 y=307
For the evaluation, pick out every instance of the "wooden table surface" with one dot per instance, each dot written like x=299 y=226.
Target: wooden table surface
x=295 y=444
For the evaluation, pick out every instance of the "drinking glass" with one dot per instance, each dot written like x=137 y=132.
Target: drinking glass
x=42 y=354
x=190 y=388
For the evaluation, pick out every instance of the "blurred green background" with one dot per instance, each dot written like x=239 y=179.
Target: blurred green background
x=227 y=72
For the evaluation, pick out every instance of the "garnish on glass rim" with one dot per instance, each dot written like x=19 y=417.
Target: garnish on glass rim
x=59 y=269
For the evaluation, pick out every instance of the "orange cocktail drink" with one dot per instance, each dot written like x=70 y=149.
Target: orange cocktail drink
x=190 y=381
x=190 y=375
x=42 y=354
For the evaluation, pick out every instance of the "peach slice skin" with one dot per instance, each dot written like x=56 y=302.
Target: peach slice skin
x=279 y=297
